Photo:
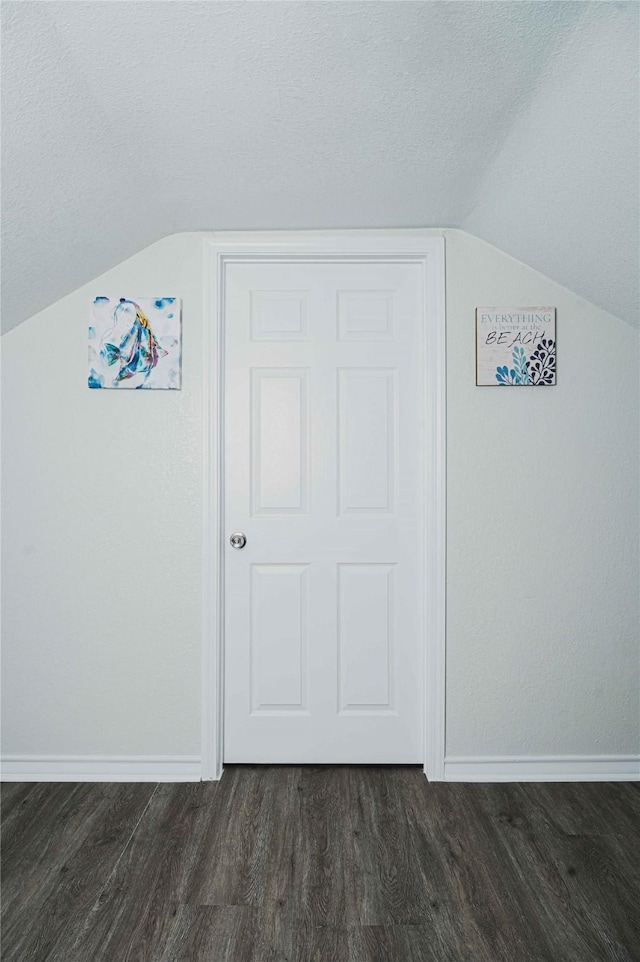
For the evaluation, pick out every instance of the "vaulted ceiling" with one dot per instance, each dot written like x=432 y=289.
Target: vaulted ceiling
x=127 y=121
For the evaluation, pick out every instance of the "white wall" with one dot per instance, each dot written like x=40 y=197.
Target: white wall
x=102 y=531
x=562 y=192
x=543 y=654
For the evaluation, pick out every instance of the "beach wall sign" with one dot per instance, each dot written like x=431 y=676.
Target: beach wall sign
x=515 y=346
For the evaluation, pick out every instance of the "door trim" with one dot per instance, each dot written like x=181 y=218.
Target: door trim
x=328 y=246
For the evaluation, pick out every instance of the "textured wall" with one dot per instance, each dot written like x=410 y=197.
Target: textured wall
x=543 y=654
x=101 y=520
x=562 y=193
x=125 y=122
x=102 y=497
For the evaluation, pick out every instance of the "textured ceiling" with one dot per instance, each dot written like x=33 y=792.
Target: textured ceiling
x=127 y=121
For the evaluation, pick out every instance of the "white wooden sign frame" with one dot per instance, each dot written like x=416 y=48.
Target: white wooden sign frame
x=515 y=346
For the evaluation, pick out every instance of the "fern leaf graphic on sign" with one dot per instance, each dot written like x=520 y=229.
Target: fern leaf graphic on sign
x=542 y=363
x=521 y=365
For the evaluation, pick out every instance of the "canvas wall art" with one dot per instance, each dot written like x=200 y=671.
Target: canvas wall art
x=516 y=346
x=135 y=342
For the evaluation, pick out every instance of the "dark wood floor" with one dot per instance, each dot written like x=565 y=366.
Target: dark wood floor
x=321 y=865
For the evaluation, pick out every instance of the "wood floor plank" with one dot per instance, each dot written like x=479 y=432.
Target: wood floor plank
x=571 y=923
x=59 y=896
x=409 y=943
x=324 y=894
x=450 y=927
x=588 y=878
x=130 y=916
x=248 y=818
x=212 y=933
x=315 y=943
x=374 y=943
x=12 y=796
x=482 y=903
x=53 y=824
x=581 y=808
x=35 y=836
x=391 y=886
x=311 y=864
x=171 y=932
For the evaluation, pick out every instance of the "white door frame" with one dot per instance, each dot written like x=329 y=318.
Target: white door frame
x=330 y=246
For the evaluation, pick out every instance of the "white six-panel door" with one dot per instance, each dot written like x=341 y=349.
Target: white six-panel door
x=323 y=475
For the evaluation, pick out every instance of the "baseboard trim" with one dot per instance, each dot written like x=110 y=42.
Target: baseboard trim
x=100 y=768
x=542 y=768
x=187 y=768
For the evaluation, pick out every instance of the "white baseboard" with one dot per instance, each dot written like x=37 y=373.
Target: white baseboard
x=100 y=768
x=187 y=768
x=542 y=768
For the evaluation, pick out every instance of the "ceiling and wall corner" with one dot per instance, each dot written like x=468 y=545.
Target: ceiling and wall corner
x=562 y=194
x=126 y=122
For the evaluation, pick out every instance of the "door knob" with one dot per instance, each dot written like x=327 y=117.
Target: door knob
x=237 y=540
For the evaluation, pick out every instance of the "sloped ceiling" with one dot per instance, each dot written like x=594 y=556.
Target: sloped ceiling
x=127 y=121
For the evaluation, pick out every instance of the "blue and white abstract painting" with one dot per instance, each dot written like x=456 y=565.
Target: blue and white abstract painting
x=135 y=342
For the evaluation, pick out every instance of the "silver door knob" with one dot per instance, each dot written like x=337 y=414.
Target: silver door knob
x=237 y=540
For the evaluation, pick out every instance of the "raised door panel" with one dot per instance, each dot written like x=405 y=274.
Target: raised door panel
x=279 y=315
x=366 y=620
x=279 y=633
x=365 y=315
x=367 y=426
x=279 y=441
